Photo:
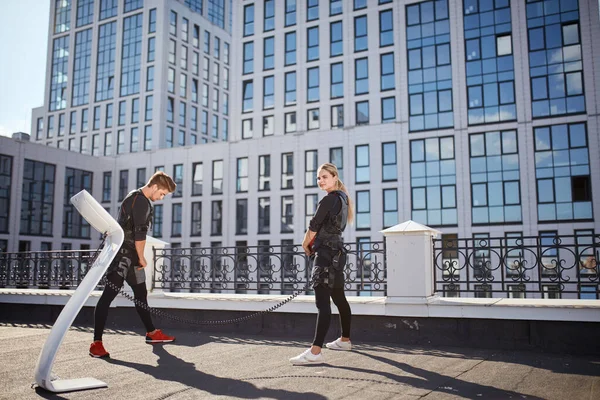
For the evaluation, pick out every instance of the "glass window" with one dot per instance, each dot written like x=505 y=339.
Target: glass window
x=217 y=177
x=362 y=112
x=216 y=226
x=433 y=181
x=336 y=157
x=268 y=125
x=489 y=63
x=264 y=172
x=37 y=199
x=197 y=179
x=269 y=53
x=389 y=161
x=363 y=210
x=555 y=60
x=361 y=76
x=388 y=109
x=562 y=169
x=269 y=18
x=337 y=80
x=336 y=44
x=264 y=215
x=290 y=48
x=248 y=96
x=74 y=225
x=388 y=80
x=131 y=60
x=242 y=175
x=290 y=12
x=248 y=58
x=105 y=67
x=360 y=4
x=390 y=207
x=495 y=188
x=386 y=28
x=335 y=7
x=312 y=10
x=249 y=20
x=360 y=33
x=313 y=84
x=430 y=70
x=312 y=52
x=290 y=88
x=196 y=225
x=290 y=122
x=247 y=129
x=362 y=173
x=337 y=116
x=287 y=214
x=268 y=92
x=313 y=119
x=81 y=66
x=106 y=186
x=287 y=170
x=310 y=168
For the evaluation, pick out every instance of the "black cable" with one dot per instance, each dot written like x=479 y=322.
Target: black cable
x=161 y=313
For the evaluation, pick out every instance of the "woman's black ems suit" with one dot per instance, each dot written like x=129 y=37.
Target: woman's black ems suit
x=329 y=222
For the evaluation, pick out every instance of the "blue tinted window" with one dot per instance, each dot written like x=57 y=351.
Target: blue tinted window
x=555 y=61
x=562 y=170
x=429 y=66
x=337 y=39
x=433 y=181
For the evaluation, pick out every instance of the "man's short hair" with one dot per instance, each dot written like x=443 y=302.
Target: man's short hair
x=163 y=181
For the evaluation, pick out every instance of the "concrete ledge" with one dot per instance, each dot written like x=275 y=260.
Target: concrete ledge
x=434 y=306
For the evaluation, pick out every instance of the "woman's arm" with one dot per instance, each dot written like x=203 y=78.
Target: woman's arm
x=306 y=243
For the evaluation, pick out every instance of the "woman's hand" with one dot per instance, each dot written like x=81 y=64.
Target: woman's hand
x=307 y=249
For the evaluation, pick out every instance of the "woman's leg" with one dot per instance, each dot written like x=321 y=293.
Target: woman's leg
x=339 y=299
x=101 y=311
x=140 y=293
x=324 y=315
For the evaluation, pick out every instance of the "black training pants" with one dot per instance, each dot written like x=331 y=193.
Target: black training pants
x=322 y=295
x=140 y=293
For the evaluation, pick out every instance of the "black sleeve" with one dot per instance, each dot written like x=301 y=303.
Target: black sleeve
x=140 y=212
x=325 y=206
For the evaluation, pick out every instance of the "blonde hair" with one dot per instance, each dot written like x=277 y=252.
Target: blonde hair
x=332 y=169
x=163 y=181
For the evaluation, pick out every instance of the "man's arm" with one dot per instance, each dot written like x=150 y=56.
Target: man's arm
x=139 y=247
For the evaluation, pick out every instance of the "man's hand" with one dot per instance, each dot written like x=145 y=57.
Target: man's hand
x=143 y=263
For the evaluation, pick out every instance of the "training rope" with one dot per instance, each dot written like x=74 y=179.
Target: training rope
x=189 y=321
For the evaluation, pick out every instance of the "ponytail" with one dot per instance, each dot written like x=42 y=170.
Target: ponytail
x=342 y=187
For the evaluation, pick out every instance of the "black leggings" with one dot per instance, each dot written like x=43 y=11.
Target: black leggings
x=322 y=295
x=108 y=295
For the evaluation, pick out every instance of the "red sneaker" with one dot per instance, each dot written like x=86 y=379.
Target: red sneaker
x=97 y=350
x=158 y=337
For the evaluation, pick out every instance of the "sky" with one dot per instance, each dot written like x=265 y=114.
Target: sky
x=23 y=45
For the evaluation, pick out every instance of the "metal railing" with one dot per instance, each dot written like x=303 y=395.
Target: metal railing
x=518 y=267
x=263 y=269
x=61 y=269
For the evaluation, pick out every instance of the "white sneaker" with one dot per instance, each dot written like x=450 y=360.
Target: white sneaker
x=337 y=344
x=307 y=358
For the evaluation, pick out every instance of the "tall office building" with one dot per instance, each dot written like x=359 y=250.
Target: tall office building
x=131 y=75
x=476 y=117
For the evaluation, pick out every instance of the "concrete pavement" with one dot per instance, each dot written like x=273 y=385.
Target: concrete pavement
x=208 y=365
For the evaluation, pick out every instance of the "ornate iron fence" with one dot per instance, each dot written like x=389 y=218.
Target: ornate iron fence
x=45 y=269
x=518 y=267
x=263 y=269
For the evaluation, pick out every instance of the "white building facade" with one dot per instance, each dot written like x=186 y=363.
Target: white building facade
x=479 y=118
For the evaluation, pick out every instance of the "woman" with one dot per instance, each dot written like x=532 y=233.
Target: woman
x=325 y=229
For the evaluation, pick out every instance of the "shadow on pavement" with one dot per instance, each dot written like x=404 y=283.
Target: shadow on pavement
x=171 y=368
x=437 y=382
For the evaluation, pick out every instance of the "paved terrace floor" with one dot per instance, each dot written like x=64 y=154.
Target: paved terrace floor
x=201 y=365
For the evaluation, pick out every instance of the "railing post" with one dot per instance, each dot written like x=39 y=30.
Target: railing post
x=409 y=258
x=149 y=255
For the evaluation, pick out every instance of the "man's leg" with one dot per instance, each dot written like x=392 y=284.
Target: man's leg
x=101 y=311
x=140 y=293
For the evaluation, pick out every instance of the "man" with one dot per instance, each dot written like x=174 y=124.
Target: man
x=135 y=217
